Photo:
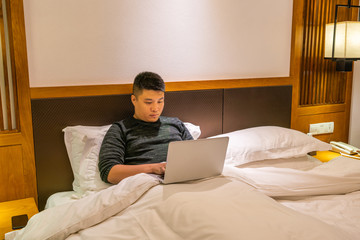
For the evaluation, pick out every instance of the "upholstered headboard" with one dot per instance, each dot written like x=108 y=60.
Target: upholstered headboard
x=215 y=111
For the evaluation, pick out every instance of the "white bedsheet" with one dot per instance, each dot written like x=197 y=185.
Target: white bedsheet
x=60 y=198
x=342 y=211
x=232 y=206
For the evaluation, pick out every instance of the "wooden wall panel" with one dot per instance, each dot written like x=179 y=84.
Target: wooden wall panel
x=12 y=181
x=324 y=95
x=8 y=84
x=17 y=161
x=320 y=83
x=340 y=123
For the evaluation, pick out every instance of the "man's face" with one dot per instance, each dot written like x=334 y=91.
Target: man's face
x=148 y=105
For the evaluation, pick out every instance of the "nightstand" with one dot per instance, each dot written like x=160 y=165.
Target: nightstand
x=326 y=156
x=14 y=208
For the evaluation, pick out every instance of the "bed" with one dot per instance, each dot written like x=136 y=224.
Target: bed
x=270 y=187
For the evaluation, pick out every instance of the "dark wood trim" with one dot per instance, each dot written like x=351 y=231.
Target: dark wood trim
x=296 y=54
x=313 y=110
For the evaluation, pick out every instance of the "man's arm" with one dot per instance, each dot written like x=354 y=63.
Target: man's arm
x=119 y=171
x=111 y=159
x=185 y=134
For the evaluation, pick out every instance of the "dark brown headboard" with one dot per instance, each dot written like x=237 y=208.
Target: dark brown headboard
x=215 y=111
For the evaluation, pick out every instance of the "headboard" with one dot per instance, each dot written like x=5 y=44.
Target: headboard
x=215 y=111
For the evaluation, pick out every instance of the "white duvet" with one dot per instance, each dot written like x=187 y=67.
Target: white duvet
x=236 y=205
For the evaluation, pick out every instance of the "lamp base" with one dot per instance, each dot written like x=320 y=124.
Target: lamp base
x=344 y=65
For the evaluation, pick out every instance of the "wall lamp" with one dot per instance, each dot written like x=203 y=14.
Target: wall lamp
x=342 y=41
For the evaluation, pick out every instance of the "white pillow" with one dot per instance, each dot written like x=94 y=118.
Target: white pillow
x=83 y=146
x=193 y=129
x=269 y=142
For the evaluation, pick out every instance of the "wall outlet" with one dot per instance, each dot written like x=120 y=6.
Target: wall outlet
x=321 y=128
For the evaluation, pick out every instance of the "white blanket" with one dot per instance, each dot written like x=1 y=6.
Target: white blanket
x=341 y=175
x=232 y=206
x=59 y=222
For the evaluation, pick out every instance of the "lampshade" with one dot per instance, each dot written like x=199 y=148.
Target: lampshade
x=347 y=40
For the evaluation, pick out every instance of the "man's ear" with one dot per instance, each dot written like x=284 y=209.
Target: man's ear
x=133 y=98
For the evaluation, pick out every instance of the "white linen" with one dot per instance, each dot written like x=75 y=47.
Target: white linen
x=269 y=142
x=228 y=210
x=71 y=217
x=194 y=130
x=83 y=146
x=338 y=176
x=224 y=207
x=299 y=163
x=214 y=209
x=60 y=198
x=341 y=211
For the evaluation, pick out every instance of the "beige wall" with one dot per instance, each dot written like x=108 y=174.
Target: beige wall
x=87 y=42
x=354 y=131
x=354 y=136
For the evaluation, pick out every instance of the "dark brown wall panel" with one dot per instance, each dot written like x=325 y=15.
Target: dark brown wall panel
x=260 y=106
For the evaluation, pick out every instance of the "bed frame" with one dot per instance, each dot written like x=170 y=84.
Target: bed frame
x=215 y=111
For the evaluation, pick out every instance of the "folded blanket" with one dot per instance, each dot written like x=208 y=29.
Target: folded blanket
x=338 y=176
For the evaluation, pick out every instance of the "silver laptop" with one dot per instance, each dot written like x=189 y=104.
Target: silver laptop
x=195 y=159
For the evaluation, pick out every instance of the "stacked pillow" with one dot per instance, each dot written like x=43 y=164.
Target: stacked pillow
x=83 y=146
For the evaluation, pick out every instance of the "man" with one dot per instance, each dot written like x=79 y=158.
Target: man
x=139 y=144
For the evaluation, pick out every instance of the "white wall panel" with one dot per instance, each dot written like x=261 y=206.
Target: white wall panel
x=354 y=131
x=87 y=42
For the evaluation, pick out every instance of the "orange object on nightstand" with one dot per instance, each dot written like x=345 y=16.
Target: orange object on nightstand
x=326 y=156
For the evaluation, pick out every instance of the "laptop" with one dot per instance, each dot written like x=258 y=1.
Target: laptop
x=195 y=159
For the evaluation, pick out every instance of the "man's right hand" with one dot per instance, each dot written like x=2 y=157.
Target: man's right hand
x=119 y=172
x=159 y=168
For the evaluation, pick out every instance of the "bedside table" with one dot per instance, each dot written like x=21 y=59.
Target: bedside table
x=326 y=156
x=14 y=208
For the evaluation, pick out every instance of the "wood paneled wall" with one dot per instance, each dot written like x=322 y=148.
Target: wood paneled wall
x=320 y=83
x=324 y=93
x=17 y=161
x=8 y=99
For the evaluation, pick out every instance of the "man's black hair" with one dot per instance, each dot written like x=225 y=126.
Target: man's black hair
x=148 y=81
